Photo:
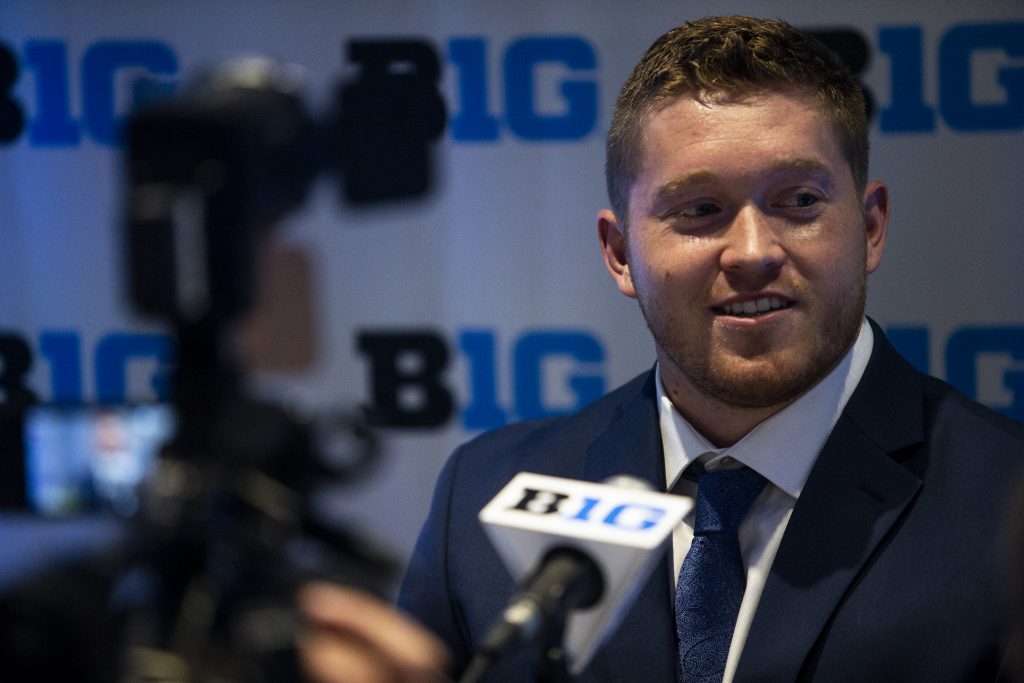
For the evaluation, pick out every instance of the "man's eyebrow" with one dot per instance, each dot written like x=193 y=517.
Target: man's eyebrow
x=805 y=165
x=673 y=187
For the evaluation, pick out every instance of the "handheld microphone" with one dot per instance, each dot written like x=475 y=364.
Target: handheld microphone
x=580 y=552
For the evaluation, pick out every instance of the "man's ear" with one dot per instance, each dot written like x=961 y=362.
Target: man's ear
x=613 y=247
x=876 y=221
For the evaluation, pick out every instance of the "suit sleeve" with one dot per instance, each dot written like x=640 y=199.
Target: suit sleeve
x=426 y=591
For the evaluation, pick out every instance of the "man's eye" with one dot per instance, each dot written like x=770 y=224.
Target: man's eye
x=700 y=210
x=801 y=200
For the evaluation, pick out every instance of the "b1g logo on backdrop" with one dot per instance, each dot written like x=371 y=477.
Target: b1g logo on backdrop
x=544 y=373
x=50 y=119
x=117 y=358
x=978 y=90
x=979 y=72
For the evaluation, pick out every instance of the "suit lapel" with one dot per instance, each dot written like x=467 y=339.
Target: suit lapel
x=644 y=643
x=856 y=492
x=632 y=442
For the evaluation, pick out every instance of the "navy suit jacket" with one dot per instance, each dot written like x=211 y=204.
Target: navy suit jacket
x=890 y=568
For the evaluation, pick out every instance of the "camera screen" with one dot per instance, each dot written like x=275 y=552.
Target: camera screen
x=91 y=458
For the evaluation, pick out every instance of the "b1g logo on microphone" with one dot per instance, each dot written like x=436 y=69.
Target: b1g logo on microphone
x=589 y=509
x=567 y=508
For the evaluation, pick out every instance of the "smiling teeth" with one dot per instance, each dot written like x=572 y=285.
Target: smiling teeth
x=754 y=308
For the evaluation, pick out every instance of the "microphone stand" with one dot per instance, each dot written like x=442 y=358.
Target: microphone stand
x=552 y=667
x=565 y=579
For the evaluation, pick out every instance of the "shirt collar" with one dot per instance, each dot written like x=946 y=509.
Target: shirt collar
x=784 y=447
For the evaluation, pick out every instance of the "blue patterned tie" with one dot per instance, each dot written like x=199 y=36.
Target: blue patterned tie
x=712 y=578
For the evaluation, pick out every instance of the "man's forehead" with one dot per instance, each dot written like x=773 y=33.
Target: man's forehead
x=695 y=118
x=691 y=110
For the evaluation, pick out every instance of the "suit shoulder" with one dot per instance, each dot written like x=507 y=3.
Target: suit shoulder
x=545 y=444
x=953 y=413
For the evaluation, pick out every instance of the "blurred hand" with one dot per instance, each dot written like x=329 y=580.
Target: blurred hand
x=352 y=637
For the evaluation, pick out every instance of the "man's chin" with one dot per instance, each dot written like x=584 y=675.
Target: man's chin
x=762 y=384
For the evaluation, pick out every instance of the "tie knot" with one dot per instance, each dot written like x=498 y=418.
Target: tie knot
x=723 y=498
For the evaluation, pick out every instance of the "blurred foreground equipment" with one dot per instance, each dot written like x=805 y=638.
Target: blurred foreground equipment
x=202 y=587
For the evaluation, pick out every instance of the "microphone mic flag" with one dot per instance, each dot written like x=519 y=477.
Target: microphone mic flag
x=622 y=530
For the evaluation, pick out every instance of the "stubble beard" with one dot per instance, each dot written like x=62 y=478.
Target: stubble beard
x=766 y=385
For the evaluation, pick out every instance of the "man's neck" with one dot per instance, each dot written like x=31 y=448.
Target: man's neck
x=722 y=424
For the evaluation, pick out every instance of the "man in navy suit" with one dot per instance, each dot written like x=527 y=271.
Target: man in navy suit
x=743 y=222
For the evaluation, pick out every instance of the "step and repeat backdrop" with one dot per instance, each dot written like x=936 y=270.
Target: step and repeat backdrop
x=479 y=297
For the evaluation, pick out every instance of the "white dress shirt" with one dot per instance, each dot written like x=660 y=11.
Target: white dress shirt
x=783 y=450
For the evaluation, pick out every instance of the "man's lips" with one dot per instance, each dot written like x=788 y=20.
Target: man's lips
x=752 y=307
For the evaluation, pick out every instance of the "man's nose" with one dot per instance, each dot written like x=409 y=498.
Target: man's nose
x=751 y=243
